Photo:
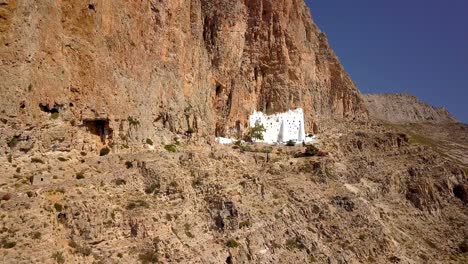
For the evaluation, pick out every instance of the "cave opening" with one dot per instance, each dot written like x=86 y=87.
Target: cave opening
x=219 y=89
x=99 y=127
x=460 y=193
x=91 y=7
x=51 y=110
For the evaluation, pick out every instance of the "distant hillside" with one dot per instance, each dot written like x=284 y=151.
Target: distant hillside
x=405 y=108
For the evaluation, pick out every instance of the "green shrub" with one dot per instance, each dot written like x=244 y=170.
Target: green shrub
x=8 y=244
x=119 y=182
x=58 y=257
x=104 y=151
x=133 y=121
x=190 y=131
x=290 y=143
x=149 y=256
x=138 y=203
x=13 y=142
x=243 y=224
x=119 y=255
x=37 y=160
x=171 y=148
x=128 y=164
x=80 y=176
x=58 y=207
x=153 y=188
x=55 y=115
x=232 y=243
x=292 y=244
x=149 y=141
x=36 y=235
x=187 y=231
x=311 y=150
x=256 y=132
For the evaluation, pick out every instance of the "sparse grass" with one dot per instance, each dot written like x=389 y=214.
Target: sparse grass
x=119 y=255
x=137 y=204
x=231 y=243
x=58 y=257
x=58 y=207
x=171 y=148
x=149 y=141
x=82 y=153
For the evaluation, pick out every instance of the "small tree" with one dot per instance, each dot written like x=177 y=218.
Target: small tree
x=256 y=132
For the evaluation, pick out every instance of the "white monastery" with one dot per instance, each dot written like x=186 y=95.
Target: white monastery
x=281 y=127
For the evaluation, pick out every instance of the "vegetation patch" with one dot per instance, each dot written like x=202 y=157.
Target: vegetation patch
x=58 y=207
x=13 y=142
x=231 y=243
x=7 y=244
x=80 y=176
x=120 y=182
x=128 y=164
x=104 y=151
x=256 y=132
x=188 y=231
x=152 y=188
x=171 y=148
x=292 y=244
x=149 y=141
x=55 y=115
x=133 y=122
x=137 y=204
x=37 y=160
x=58 y=257
x=243 y=224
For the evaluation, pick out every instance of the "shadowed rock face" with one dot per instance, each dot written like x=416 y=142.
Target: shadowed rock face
x=405 y=108
x=197 y=64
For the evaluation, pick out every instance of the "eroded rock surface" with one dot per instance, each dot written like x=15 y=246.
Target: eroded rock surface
x=203 y=65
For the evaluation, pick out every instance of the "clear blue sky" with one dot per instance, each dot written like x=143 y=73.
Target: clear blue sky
x=402 y=46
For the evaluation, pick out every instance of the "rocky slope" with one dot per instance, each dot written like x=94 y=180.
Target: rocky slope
x=200 y=65
x=372 y=196
x=405 y=108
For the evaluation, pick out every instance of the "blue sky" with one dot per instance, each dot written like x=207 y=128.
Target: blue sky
x=402 y=46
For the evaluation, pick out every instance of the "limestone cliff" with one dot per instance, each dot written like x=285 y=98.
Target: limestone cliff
x=405 y=108
x=199 y=65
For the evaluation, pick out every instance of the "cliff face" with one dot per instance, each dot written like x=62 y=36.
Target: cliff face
x=201 y=64
x=404 y=108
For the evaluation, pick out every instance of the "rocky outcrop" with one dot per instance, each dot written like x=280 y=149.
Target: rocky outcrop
x=203 y=65
x=405 y=108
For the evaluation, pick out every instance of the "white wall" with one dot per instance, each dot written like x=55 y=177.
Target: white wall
x=281 y=127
